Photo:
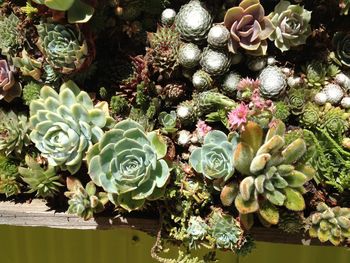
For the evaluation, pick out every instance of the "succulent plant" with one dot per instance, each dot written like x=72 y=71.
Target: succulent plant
x=208 y=101
x=291 y=222
x=64 y=47
x=345 y=103
x=127 y=163
x=272 y=82
x=281 y=111
x=164 y=46
x=10 y=39
x=13 y=132
x=334 y=93
x=230 y=83
x=28 y=66
x=31 y=91
x=273 y=174
x=330 y=224
x=45 y=182
x=84 y=202
x=225 y=231
x=292 y=25
x=168 y=17
x=9 y=89
x=341 y=43
x=215 y=62
x=66 y=124
x=311 y=115
x=77 y=10
x=9 y=184
x=249 y=27
x=118 y=105
x=218 y=36
x=316 y=73
x=189 y=55
x=174 y=92
x=196 y=231
x=335 y=121
x=193 y=21
x=296 y=100
x=202 y=80
x=214 y=159
x=168 y=121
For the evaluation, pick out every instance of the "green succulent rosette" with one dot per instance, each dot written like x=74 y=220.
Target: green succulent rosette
x=65 y=125
x=64 y=47
x=127 y=163
x=292 y=23
x=341 y=43
x=214 y=159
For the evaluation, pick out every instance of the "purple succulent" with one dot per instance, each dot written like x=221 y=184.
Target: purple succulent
x=9 y=89
x=249 y=27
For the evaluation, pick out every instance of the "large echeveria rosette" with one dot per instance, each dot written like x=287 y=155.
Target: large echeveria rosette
x=292 y=25
x=127 y=163
x=249 y=27
x=341 y=43
x=65 y=125
x=64 y=47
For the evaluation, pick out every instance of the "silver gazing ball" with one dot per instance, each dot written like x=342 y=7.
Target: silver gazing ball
x=189 y=55
x=168 y=17
x=345 y=102
x=218 y=36
x=320 y=98
x=334 y=93
x=202 y=81
x=215 y=62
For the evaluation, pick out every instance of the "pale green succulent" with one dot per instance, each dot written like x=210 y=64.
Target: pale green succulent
x=214 y=159
x=77 y=10
x=45 y=182
x=168 y=121
x=9 y=34
x=273 y=174
x=316 y=73
x=84 y=202
x=28 y=66
x=330 y=224
x=9 y=184
x=66 y=124
x=127 y=163
x=197 y=231
x=64 y=47
x=225 y=231
x=13 y=132
x=291 y=23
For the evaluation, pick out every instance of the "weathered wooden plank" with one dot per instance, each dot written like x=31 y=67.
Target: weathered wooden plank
x=37 y=213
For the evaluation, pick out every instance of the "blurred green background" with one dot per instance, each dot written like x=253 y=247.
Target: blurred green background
x=44 y=245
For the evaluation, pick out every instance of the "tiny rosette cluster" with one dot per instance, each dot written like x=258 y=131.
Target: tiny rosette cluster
x=292 y=25
x=341 y=43
x=127 y=163
x=65 y=125
x=64 y=47
x=330 y=224
x=214 y=159
x=274 y=176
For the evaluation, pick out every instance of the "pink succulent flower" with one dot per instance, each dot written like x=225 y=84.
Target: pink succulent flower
x=202 y=128
x=238 y=117
x=248 y=84
x=260 y=103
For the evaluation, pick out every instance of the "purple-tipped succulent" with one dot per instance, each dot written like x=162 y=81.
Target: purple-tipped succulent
x=249 y=27
x=8 y=86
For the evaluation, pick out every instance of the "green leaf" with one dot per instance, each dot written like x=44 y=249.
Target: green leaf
x=80 y=12
x=158 y=143
x=252 y=136
x=196 y=160
x=246 y=207
x=242 y=157
x=90 y=188
x=294 y=200
x=215 y=137
x=60 y=5
x=269 y=212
